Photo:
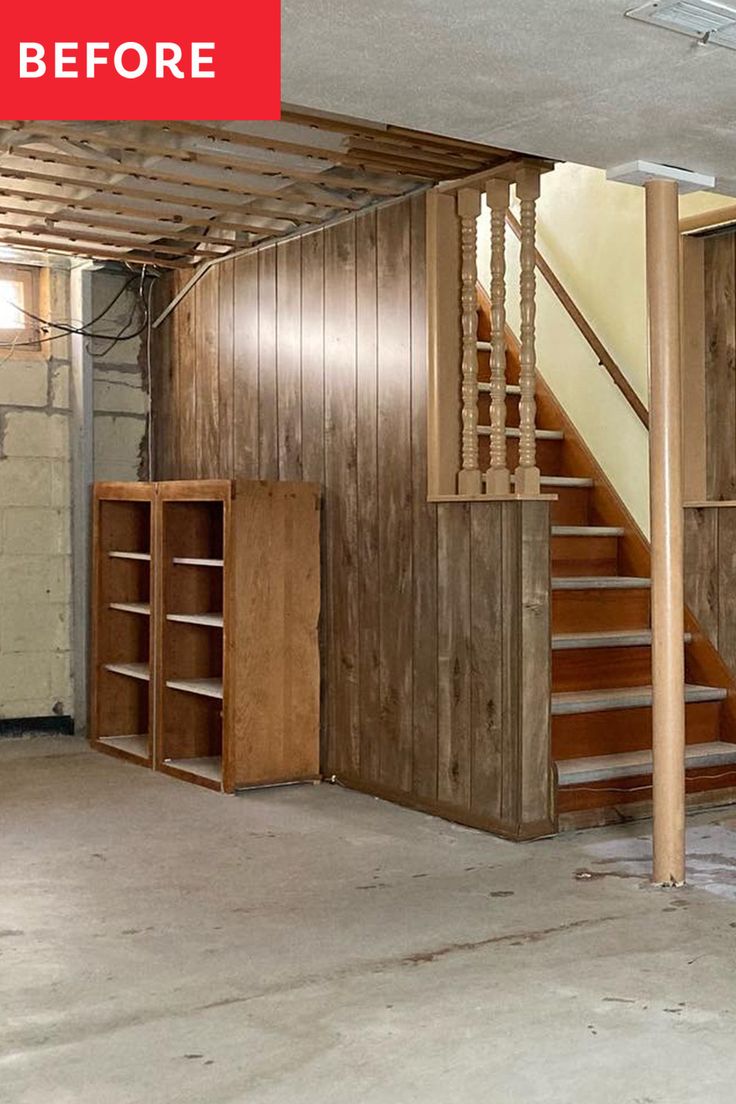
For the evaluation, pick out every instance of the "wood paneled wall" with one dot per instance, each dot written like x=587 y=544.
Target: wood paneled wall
x=307 y=360
x=719 y=265
x=710 y=575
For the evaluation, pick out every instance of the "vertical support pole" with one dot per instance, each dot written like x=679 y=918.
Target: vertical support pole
x=469 y=480
x=527 y=472
x=82 y=460
x=497 y=478
x=665 y=467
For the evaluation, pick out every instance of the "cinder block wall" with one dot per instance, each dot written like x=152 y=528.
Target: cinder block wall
x=35 y=547
x=120 y=386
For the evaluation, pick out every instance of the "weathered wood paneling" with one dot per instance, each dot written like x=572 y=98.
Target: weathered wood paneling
x=435 y=617
x=710 y=574
x=719 y=258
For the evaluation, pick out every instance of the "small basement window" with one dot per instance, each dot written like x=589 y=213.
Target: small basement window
x=19 y=293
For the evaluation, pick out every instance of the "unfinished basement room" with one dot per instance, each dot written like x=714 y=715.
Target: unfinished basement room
x=368 y=560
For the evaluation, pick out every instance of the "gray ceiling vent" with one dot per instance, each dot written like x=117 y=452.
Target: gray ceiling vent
x=706 y=20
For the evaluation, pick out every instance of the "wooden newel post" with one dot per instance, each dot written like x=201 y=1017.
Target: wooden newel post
x=527 y=472
x=497 y=477
x=469 y=480
x=665 y=468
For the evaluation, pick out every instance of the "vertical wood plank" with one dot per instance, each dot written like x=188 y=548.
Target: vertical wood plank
x=245 y=368
x=313 y=357
x=341 y=506
x=720 y=365
x=536 y=802
x=226 y=368
x=206 y=375
x=393 y=227
x=511 y=649
x=288 y=358
x=486 y=659
x=369 y=593
x=424 y=530
x=186 y=314
x=268 y=464
x=453 y=653
x=161 y=380
x=726 y=560
x=701 y=568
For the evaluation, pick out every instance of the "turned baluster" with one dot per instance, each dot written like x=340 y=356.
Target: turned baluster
x=469 y=480
x=497 y=476
x=527 y=472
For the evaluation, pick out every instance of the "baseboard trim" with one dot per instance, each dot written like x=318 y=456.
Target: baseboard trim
x=21 y=726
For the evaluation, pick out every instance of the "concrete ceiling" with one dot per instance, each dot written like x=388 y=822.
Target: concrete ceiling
x=567 y=79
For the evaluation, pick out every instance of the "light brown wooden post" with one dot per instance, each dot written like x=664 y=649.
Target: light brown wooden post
x=469 y=480
x=497 y=476
x=527 y=191
x=668 y=666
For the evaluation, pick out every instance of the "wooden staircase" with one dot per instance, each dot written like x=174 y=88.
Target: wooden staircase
x=601 y=638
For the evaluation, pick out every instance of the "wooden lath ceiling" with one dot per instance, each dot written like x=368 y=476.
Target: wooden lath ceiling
x=177 y=192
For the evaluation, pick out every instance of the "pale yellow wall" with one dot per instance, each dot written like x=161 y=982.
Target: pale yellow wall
x=592 y=233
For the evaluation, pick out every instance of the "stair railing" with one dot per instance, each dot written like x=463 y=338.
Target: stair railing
x=469 y=480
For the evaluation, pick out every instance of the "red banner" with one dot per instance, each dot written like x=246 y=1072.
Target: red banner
x=152 y=60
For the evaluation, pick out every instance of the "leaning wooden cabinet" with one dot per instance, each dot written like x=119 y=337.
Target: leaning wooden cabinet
x=235 y=673
x=123 y=638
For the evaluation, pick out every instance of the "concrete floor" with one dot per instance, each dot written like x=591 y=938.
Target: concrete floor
x=161 y=943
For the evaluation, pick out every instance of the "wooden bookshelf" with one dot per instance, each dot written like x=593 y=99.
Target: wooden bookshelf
x=232 y=665
x=123 y=587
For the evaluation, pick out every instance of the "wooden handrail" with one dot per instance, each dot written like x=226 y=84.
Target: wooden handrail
x=604 y=357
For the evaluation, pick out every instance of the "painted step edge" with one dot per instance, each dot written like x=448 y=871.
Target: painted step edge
x=512 y=431
x=599 y=768
x=587 y=531
x=562 y=642
x=600 y=582
x=630 y=697
x=511 y=388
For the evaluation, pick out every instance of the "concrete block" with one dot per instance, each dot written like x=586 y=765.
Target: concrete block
x=24 y=679
x=60 y=483
x=116 y=472
x=34 y=579
x=35 y=531
x=32 y=627
x=59 y=310
x=118 y=439
x=25 y=481
x=24 y=383
x=105 y=286
x=119 y=391
x=62 y=681
x=59 y=385
x=27 y=707
x=34 y=433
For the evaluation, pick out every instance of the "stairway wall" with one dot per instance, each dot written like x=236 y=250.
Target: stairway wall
x=308 y=361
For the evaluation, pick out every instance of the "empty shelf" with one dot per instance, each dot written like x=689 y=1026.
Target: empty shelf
x=132 y=607
x=132 y=670
x=209 y=766
x=207 y=687
x=197 y=618
x=130 y=555
x=197 y=562
x=135 y=745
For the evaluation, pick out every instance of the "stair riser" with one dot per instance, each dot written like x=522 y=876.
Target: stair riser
x=598 y=795
x=572 y=506
x=599 y=610
x=612 y=731
x=548 y=454
x=512 y=409
x=584 y=555
x=601 y=668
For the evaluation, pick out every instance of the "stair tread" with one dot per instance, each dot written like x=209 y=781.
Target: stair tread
x=629 y=697
x=511 y=388
x=587 y=531
x=616 y=638
x=563 y=481
x=600 y=582
x=598 y=768
x=512 y=431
